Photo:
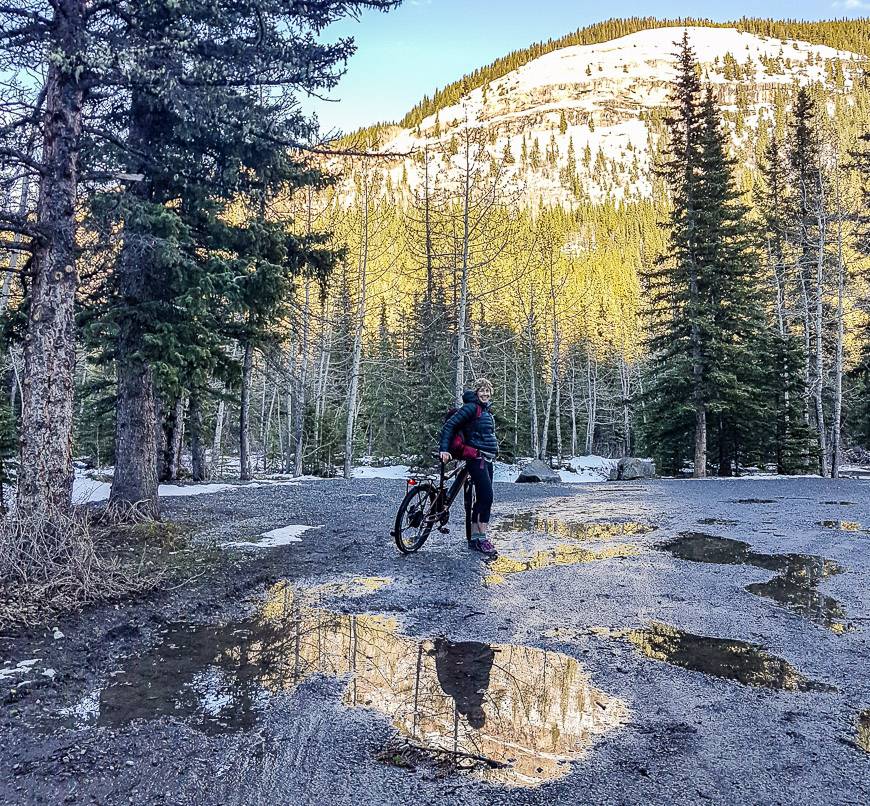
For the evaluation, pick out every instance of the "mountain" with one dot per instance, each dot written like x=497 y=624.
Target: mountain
x=585 y=122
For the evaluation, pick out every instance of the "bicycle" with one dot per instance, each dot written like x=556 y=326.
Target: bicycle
x=426 y=504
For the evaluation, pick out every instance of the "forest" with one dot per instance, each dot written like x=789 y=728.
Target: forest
x=196 y=286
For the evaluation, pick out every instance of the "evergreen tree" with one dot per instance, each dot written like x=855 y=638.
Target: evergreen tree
x=707 y=345
x=785 y=384
x=679 y=321
x=214 y=138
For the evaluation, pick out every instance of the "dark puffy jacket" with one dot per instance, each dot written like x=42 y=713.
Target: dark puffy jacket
x=479 y=431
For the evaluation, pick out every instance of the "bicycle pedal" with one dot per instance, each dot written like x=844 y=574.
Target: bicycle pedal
x=445 y=530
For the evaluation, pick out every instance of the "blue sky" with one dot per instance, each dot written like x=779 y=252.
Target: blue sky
x=428 y=43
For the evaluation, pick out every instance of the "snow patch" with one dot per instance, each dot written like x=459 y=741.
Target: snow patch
x=389 y=472
x=581 y=470
x=88 y=490
x=21 y=668
x=282 y=536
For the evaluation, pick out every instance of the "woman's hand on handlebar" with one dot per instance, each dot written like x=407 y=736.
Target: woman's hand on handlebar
x=445 y=457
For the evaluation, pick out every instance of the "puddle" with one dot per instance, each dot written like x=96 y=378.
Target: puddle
x=743 y=662
x=549 y=524
x=717 y=522
x=563 y=554
x=352 y=588
x=795 y=583
x=842 y=526
x=863 y=730
x=520 y=713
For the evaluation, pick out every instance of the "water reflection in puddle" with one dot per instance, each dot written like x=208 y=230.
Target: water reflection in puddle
x=794 y=586
x=525 y=711
x=863 y=731
x=563 y=527
x=842 y=526
x=746 y=663
x=564 y=554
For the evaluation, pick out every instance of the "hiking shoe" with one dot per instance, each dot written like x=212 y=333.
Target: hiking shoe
x=483 y=545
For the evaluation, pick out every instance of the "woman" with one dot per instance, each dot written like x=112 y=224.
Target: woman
x=476 y=422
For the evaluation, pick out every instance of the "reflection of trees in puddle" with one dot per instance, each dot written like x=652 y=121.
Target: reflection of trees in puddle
x=561 y=525
x=795 y=586
x=842 y=526
x=562 y=554
x=520 y=706
x=746 y=663
x=523 y=712
x=863 y=727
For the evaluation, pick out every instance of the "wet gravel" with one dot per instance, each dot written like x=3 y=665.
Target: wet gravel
x=690 y=736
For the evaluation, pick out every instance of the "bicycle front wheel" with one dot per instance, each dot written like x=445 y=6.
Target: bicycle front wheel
x=415 y=518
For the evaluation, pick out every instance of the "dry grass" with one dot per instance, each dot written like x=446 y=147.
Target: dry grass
x=49 y=563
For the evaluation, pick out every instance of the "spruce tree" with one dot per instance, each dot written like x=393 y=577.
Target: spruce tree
x=218 y=134
x=785 y=383
x=707 y=336
x=678 y=320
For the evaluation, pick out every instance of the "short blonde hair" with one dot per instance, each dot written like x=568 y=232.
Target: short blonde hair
x=482 y=384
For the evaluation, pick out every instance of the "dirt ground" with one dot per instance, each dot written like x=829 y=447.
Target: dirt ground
x=648 y=643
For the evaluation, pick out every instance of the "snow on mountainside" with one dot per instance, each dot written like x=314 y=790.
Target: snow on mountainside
x=590 y=106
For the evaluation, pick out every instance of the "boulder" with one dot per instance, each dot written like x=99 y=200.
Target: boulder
x=538 y=471
x=631 y=468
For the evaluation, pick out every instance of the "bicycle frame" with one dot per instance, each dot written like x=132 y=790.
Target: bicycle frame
x=459 y=476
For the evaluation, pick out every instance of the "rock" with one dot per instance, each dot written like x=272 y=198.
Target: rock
x=631 y=468
x=538 y=471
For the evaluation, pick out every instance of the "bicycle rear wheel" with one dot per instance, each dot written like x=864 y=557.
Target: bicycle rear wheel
x=415 y=518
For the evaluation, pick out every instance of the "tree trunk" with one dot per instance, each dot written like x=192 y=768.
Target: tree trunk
x=245 y=470
x=836 y=434
x=45 y=473
x=267 y=430
x=700 y=469
x=198 y=468
x=461 y=348
x=173 y=430
x=178 y=436
x=591 y=401
x=545 y=430
x=137 y=428
x=573 y=401
x=357 y=338
x=516 y=405
x=217 y=446
x=818 y=388
x=533 y=393
x=625 y=385
x=300 y=387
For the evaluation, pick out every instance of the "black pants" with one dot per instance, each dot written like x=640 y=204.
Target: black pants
x=481 y=475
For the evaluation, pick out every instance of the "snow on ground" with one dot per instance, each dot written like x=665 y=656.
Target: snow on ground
x=89 y=490
x=389 y=472
x=282 y=536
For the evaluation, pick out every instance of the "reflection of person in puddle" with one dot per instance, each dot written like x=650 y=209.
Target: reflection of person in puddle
x=463 y=672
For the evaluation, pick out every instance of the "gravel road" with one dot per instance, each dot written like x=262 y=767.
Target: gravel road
x=662 y=642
